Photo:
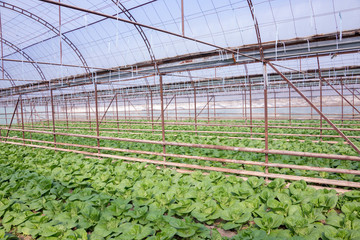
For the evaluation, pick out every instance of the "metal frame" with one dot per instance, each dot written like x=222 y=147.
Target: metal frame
x=249 y=89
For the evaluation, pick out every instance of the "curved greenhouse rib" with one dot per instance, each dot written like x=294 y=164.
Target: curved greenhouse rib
x=50 y=27
x=257 y=30
x=35 y=65
x=8 y=76
x=138 y=28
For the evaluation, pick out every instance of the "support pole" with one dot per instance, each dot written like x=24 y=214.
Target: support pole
x=125 y=109
x=129 y=112
x=342 y=96
x=2 y=51
x=152 y=110
x=195 y=114
x=208 y=107
x=316 y=109
x=311 y=99
x=320 y=83
x=266 y=117
x=176 y=118
x=162 y=115
x=88 y=98
x=250 y=98
x=117 y=113
x=342 y=101
x=182 y=18
x=189 y=108
x=353 y=102
x=167 y=105
x=47 y=114
x=53 y=116
x=31 y=118
x=214 y=108
x=17 y=118
x=22 y=118
x=107 y=109
x=352 y=92
x=275 y=104
x=147 y=107
x=289 y=106
x=245 y=104
x=66 y=115
x=97 y=115
x=12 y=117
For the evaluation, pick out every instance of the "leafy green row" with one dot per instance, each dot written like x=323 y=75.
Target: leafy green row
x=294 y=145
x=55 y=195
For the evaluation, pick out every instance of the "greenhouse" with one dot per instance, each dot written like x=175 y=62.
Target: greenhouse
x=180 y=119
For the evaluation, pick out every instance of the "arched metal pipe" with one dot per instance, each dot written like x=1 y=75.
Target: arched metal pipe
x=50 y=27
x=17 y=49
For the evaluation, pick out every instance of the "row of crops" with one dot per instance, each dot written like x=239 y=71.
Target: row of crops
x=287 y=142
x=56 y=195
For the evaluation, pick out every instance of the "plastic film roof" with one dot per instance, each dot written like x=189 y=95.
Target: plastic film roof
x=107 y=43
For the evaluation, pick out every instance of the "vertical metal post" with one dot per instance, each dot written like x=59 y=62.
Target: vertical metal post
x=22 y=118
x=96 y=114
x=60 y=37
x=182 y=18
x=214 y=109
x=104 y=107
x=342 y=101
x=12 y=117
x=73 y=111
x=289 y=105
x=311 y=99
x=31 y=119
x=152 y=110
x=2 y=49
x=245 y=104
x=17 y=118
x=189 y=108
x=58 y=110
x=353 y=102
x=53 y=115
x=208 y=107
x=266 y=116
x=66 y=115
x=321 y=98
x=89 y=112
x=117 y=112
x=275 y=104
x=60 y=45
x=176 y=118
x=195 y=114
x=162 y=115
x=147 y=107
x=129 y=112
x=250 y=98
x=125 y=109
x=47 y=114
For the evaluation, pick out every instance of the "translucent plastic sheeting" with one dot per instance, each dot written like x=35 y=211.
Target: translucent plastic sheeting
x=108 y=43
